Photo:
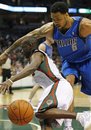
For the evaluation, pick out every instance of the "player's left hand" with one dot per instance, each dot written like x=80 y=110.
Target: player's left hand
x=5 y=86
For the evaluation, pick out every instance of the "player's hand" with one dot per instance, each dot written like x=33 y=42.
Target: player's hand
x=3 y=58
x=5 y=86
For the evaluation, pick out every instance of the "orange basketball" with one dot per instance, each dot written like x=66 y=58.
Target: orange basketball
x=20 y=112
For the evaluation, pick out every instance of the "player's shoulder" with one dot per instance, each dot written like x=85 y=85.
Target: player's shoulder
x=46 y=29
x=38 y=53
x=85 y=25
x=85 y=22
x=49 y=24
x=42 y=46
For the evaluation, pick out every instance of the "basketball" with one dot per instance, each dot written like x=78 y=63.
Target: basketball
x=20 y=112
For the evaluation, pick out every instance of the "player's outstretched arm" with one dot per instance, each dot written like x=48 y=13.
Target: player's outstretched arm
x=25 y=72
x=43 y=31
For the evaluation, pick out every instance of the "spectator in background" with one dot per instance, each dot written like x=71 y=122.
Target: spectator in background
x=16 y=67
x=6 y=72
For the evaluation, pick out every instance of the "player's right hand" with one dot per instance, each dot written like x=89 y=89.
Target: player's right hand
x=5 y=86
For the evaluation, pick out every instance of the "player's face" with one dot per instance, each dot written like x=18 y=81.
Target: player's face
x=60 y=20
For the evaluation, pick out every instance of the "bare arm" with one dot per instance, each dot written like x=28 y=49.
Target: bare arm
x=42 y=47
x=85 y=27
x=31 y=68
x=25 y=72
x=43 y=31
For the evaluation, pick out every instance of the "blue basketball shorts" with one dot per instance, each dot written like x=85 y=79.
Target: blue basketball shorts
x=82 y=70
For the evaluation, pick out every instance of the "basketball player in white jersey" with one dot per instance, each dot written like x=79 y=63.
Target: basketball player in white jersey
x=58 y=94
x=47 y=48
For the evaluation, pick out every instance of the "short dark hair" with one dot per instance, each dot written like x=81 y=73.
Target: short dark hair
x=59 y=7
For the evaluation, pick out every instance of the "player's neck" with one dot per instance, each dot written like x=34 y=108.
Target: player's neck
x=68 y=25
x=69 y=22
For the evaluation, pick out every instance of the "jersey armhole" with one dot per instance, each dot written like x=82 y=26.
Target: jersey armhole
x=78 y=26
x=78 y=29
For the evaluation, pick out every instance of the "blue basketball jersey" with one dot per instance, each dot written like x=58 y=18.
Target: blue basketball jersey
x=48 y=49
x=71 y=46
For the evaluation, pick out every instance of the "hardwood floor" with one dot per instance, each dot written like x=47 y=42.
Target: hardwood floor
x=80 y=99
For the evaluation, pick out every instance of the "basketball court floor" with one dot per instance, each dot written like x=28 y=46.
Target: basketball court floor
x=82 y=103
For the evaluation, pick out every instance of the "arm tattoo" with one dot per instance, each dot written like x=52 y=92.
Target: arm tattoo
x=33 y=39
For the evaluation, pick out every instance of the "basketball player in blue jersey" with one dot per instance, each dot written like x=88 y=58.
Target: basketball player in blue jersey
x=46 y=47
x=73 y=38
x=58 y=94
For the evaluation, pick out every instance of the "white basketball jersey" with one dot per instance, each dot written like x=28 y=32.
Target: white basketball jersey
x=47 y=73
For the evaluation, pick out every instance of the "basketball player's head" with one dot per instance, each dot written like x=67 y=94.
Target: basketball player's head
x=28 y=47
x=59 y=14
